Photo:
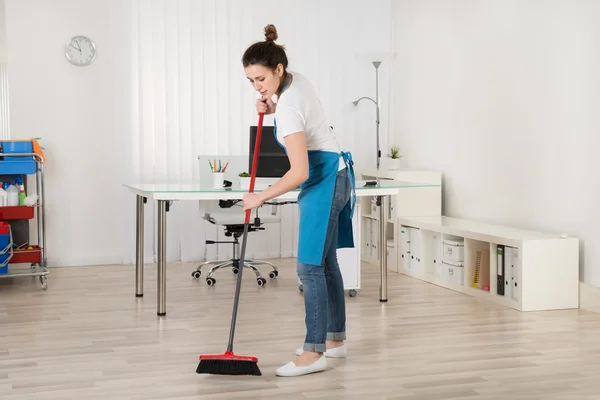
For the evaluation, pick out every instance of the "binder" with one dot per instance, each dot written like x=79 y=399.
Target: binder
x=514 y=293
x=368 y=238
x=508 y=261
x=376 y=240
x=405 y=248
x=500 y=271
x=436 y=239
x=415 y=249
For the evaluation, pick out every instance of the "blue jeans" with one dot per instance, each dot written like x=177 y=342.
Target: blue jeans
x=323 y=287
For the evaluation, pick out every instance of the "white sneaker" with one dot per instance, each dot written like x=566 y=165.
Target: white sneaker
x=291 y=369
x=336 y=352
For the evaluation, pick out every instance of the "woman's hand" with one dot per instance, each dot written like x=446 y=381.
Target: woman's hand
x=252 y=200
x=266 y=106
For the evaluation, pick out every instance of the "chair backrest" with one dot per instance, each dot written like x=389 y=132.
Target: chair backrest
x=212 y=212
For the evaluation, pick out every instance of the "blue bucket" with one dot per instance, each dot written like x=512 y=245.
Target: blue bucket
x=11 y=147
x=17 y=165
x=4 y=243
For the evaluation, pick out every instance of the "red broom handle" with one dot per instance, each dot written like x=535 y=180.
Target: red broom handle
x=255 y=160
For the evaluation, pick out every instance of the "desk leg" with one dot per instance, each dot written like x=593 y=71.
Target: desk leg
x=383 y=286
x=162 y=258
x=139 y=249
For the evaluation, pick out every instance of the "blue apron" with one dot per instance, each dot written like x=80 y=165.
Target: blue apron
x=315 y=200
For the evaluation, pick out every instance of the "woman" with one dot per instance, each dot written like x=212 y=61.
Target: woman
x=326 y=201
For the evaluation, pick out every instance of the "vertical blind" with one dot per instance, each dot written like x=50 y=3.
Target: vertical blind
x=4 y=106
x=191 y=96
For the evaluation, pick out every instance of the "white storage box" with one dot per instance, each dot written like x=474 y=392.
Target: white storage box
x=453 y=251
x=453 y=273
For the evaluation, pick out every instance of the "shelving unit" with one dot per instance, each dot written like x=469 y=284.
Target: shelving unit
x=425 y=200
x=541 y=270
x=28 y=259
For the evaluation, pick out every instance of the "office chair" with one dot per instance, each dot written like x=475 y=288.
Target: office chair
x=232 y=221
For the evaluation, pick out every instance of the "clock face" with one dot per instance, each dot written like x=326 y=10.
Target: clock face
x=80 y=51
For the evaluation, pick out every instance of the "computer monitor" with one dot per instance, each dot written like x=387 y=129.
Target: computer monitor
x=272 y=159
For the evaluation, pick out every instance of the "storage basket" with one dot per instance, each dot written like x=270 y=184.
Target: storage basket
x=5 y=247
x=17 y=165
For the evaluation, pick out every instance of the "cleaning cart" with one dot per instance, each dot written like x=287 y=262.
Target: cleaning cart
x=19 y=255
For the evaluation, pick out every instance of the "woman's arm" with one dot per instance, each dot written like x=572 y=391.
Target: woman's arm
x=295 y=145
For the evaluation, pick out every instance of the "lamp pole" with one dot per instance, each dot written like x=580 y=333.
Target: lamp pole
x=376 y=64
x=380 y=199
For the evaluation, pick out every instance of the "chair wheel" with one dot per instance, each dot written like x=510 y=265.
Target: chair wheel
x=235 y=270
x=196 y=274
x=211 y=281
x=273 y=274
x=300 y=288
x=261 y=281
x=351 y=292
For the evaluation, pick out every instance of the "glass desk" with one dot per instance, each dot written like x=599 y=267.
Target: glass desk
x=166 y=193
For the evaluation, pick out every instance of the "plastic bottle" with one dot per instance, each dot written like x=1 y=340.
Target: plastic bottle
x=13 y=195
x=4 y=195
x=19 y=183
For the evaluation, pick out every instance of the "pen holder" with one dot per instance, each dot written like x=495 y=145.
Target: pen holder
x=218 y=180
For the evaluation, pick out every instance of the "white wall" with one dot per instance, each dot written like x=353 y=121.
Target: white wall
x=4 y=108
x=81 y=116
x=95 y=120
x=502 y=96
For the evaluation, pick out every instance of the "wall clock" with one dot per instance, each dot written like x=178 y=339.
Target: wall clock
x=80 y=51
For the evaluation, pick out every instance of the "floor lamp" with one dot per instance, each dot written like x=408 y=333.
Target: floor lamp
x=376 y=64
x=380 y=199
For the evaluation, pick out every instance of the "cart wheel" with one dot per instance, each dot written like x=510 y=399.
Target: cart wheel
x=235 y=270
x=196 y=274
x=352 y=293
x=43 y=282
x=211 y=281
x=273 y=274
x=261 y=281
x=300 y=288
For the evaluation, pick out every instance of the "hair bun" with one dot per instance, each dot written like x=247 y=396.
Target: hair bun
x=271 y=33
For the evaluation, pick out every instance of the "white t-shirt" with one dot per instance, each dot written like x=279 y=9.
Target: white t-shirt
x=299 y=109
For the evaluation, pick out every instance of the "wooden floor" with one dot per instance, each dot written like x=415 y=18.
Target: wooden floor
x=87 y=337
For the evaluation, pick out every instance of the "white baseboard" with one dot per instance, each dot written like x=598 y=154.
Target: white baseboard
x=84 y=262
x=589 y=297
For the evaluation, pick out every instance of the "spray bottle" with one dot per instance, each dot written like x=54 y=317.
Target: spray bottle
x=13 y=194
x=4 y=195
x=19 y=184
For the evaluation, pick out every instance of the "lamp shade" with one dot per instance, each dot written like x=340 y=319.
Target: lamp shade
x=382 y=56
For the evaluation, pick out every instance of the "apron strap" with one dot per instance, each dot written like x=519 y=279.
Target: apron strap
x=347 y=156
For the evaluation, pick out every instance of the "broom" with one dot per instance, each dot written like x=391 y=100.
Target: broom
x=228 y=363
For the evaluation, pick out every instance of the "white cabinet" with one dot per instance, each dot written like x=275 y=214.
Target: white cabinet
x=521 y=269
x=425 y=200
x=349 y=259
